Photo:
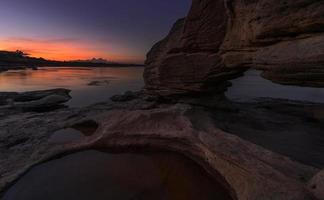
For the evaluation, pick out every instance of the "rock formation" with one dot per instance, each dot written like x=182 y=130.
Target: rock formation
x=316 y=185
x=220 y=39
x=216 y=42
x=33 y=101
x=246 y=170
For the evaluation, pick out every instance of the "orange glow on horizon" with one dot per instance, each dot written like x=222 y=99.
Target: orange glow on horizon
x=63 y=50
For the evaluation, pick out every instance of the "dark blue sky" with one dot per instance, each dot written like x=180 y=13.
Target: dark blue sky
x=114 y=29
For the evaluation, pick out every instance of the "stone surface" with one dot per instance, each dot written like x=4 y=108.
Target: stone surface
x=127 y=96
x=219 y=39
x=5 y=67
x=33 y=101
x=284 y=39
x=290 y=128
x=316 y=185
x=99 y=83
x=246 y=170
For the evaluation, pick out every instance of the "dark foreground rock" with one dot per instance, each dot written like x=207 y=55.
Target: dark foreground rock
x=219 y=39
x=316 y=185
x=246 y=170
x=127 y=96
x=33 y=101
x=99 y=83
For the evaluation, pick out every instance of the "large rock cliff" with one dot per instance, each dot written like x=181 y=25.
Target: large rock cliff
x=220 y=39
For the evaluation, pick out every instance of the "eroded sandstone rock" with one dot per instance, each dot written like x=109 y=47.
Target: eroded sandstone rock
x=188 y=60
x=32 y=101
x=316 y=185
x=284 y=39
x=219 y=39
x=246 y=170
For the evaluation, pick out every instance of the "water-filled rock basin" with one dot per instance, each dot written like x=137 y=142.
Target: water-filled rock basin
x=98 y=175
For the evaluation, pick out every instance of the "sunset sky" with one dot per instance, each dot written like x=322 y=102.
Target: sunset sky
x=117 y=30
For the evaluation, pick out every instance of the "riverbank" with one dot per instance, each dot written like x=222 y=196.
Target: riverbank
x=13 y=67
x=266 y=149
x=146 y=123
x=20 y=60
x=88 y=85
x=8 y=67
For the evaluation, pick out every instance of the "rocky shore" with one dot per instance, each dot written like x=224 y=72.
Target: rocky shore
x=46 y=100
x=7 y=67
x=246 y=170
x=268 y=149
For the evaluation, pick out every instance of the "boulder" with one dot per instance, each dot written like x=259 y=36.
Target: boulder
x=35 y=100
x=6 y=96
x=127 y=96
x=99 y=83
x=284 y=39
x=49 y=101
x=220 y=39
x=37 y=95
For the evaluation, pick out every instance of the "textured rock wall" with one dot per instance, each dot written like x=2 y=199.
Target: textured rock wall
x=283 y=38
x=188 y=57
x=220 y=39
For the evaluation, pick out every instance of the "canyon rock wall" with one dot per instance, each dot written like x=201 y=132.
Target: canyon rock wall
x=220 y=39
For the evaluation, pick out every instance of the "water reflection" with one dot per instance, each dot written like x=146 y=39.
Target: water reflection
x=101 y=176
x=77 y=79
x=64 y=136
x=289 y=128
x=252 y=86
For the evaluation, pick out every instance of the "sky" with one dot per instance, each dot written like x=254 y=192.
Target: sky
x=117 y=30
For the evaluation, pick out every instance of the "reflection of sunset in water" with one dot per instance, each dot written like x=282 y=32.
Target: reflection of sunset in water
x=117 y=80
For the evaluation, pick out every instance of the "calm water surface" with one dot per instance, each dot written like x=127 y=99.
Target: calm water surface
x=88 y=85
x=101 y=176
x=252 y=86
x=93 y=85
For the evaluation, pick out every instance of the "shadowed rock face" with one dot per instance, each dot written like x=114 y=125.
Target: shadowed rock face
x=176 y=62
x=284 y=39
x=43 y=100
x=316 y=185
x=219 y=39
x=245 y=170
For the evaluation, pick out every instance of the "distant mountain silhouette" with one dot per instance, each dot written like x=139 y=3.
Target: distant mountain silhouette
x=19 y=59
x=96 y=60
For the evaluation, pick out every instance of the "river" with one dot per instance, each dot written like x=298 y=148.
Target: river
x=88 y=85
